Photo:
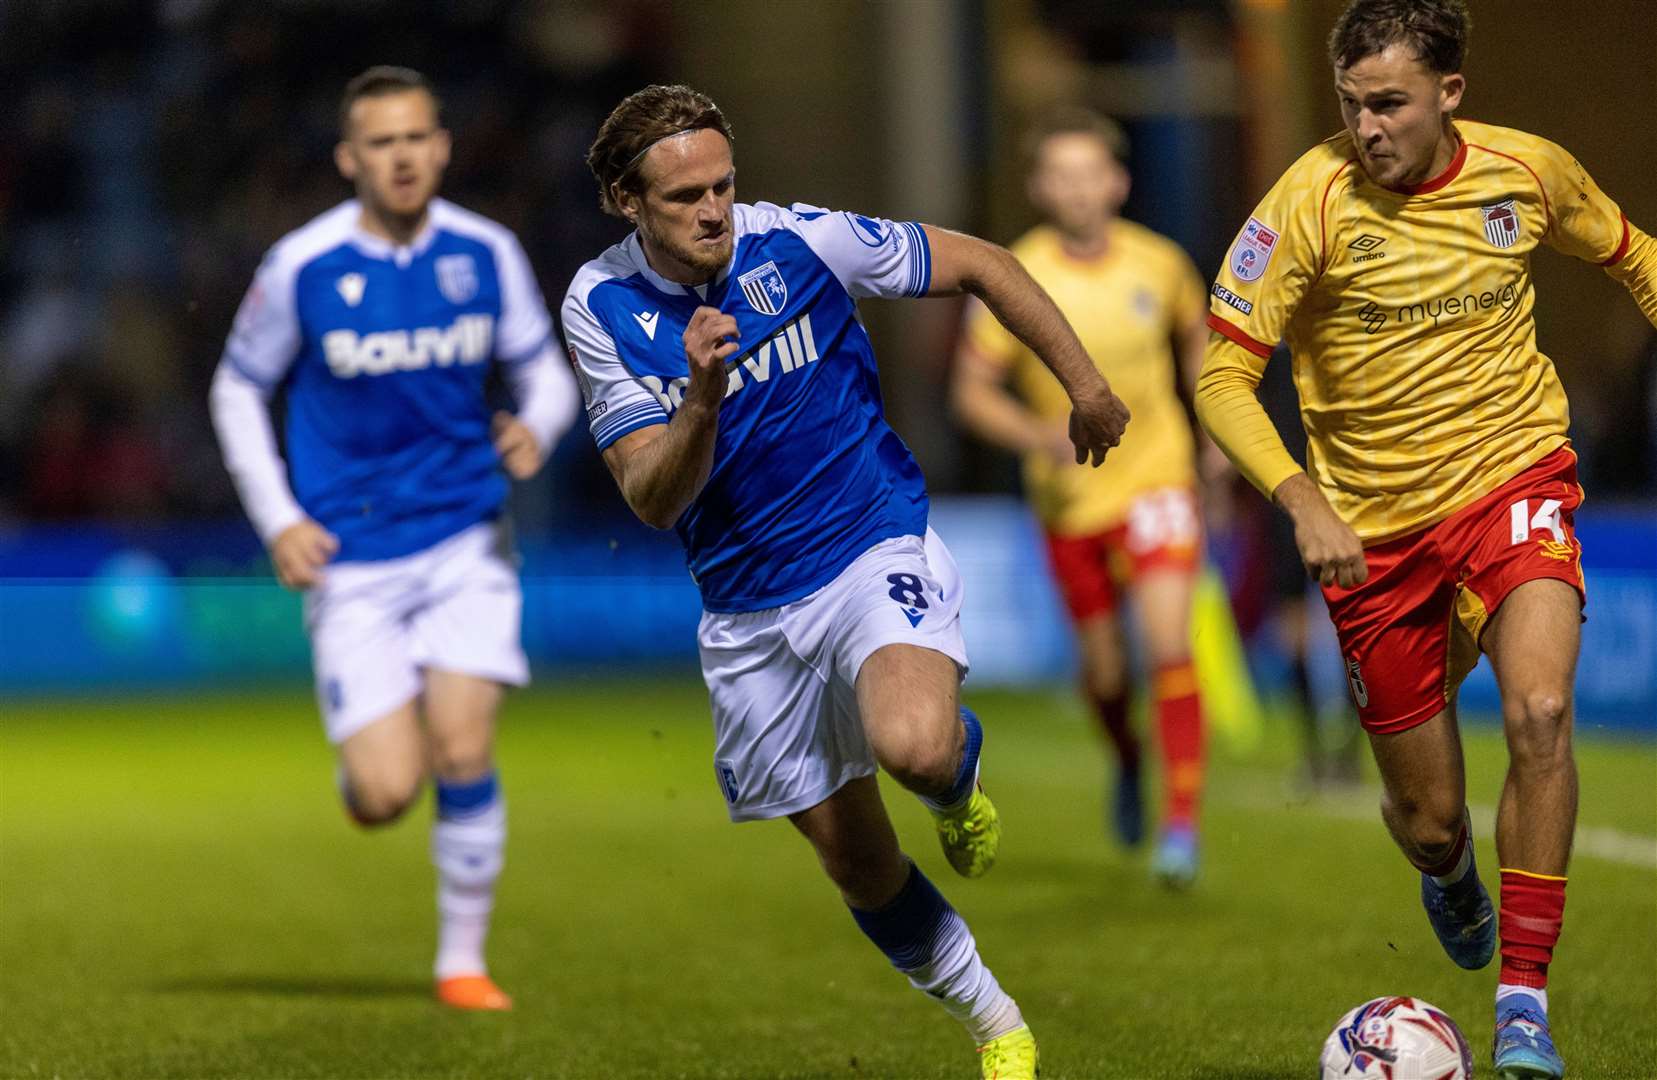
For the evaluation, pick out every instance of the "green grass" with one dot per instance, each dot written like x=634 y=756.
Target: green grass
x=181 y=896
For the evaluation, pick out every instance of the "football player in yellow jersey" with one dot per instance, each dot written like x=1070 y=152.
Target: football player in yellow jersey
x=1137 y=304
x=1436 y=508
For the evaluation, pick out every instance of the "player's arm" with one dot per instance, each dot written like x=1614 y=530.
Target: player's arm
x=979 y=396
x=542 y=384
x=546 y=396
x=263 y=342
x=1231 y=413
x=962 y=263
x=1586 y=223
x=1266 y=274
x=1637 y=270
x=1188 y=339
x=662 y=468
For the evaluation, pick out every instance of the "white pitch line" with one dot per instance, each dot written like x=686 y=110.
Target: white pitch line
x=1362 y=804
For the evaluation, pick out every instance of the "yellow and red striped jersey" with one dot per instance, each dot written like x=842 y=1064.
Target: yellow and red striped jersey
x=1409 y=318
x=1126 y=306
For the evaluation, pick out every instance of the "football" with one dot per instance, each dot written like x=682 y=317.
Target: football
x=1396 y=1038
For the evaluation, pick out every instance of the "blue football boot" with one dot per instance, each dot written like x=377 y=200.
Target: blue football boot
x=1462 y=917
x=1175 y=862
x=1524 y=1047
x=1127 y=808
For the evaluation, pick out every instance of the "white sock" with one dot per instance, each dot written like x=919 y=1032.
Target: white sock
x=1540 y=996
x=468 y=850
x=958 y=980
x=1464 y=864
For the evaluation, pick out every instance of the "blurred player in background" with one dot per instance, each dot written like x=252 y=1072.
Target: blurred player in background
x=1395 y=258
x=733 y=393
x=378 y=320
x=1131 y=527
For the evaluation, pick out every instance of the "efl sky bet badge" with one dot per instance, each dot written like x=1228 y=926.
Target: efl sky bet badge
x=1501 y=223
x=765 y=289
x=1252 y=251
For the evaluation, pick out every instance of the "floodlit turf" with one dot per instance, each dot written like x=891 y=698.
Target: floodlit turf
x=180 y=896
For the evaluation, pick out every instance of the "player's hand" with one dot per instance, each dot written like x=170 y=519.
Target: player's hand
x=1330 y=549
x=1097 y=420
x=300 y=552
x=710 y=339
x=519 y=451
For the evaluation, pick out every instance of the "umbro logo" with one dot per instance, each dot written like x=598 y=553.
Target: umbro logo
x=647 y=323
x=1366 y=245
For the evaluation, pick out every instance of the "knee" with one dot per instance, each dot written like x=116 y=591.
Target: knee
x=928 y=755
x=1431 y=825
x=1539 y=730
x=1104 y=678
x=461 y=756
x=379 y=796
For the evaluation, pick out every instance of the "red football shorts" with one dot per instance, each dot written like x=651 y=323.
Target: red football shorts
x=1410 y=633
x=1161 y=532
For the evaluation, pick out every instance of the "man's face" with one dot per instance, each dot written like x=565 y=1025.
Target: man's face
x=684 y=210
x=1077 y=183
x=394 y=152
x=1394 y=106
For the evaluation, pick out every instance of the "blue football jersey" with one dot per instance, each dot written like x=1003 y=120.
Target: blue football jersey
x=806 y=472
x=383 y=352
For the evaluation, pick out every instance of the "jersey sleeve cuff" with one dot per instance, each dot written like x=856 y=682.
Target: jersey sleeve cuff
x=625 y=423
x=1236 y=334
x=1622 y=248
x=920 y=258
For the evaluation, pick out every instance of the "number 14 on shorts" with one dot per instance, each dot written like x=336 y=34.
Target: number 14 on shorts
x=1525 y=523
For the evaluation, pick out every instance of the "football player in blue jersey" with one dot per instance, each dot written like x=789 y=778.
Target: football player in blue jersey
x=378 y=320
x=733 y=392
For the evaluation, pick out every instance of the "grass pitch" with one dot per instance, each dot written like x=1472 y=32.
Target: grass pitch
x=181 y=896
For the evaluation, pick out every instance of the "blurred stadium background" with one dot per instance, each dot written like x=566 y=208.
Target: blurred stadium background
x=151 y=151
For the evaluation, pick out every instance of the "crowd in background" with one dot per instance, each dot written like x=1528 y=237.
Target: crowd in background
x=150 y=153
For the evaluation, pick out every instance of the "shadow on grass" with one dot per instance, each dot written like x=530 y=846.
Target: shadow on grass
x=296 y=986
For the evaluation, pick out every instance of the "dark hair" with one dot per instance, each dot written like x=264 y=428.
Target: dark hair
x=378 y=81
x=1434 y=30
x=642 y=120
x=1073 y=120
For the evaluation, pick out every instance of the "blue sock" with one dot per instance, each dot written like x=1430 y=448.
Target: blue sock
x=929 y=942
x=906 y=929
x=456 y=801
x=967 y=775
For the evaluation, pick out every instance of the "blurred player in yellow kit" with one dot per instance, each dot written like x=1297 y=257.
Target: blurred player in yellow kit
x=1437 y=505
x=1132 y=525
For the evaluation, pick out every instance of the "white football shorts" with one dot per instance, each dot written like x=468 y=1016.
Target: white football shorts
x=456 y=606
x=782 y=682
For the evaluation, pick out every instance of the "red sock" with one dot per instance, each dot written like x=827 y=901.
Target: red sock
x=1112 y=714
x=1533 y=907
x=1179 y=722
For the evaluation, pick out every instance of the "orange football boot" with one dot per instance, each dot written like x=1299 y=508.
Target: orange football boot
x=475 y=992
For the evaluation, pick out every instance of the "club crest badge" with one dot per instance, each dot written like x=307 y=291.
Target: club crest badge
x=457 y=278
x=1253 y=250
x=765 y=289
x=1501 y=223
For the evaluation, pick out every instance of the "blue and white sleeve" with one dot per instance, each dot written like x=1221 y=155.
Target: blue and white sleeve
x=265 y=338
x=525 y=327
x=871 y=256
x=263 y=343
x=618 y=402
